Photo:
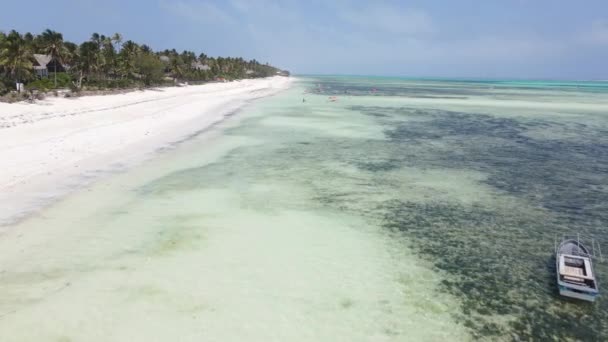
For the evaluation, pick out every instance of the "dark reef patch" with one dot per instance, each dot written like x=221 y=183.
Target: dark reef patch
x=447 y=89
x=502 y=266
x=567 y=177
x=502 y=256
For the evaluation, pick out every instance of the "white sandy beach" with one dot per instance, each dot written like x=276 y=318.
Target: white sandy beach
x=52 y=146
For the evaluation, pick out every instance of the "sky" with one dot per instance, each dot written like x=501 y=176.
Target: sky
x=542 y=39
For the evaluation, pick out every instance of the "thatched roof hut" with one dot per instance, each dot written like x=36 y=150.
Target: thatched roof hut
x=45 y=63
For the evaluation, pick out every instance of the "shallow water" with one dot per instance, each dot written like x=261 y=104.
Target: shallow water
x=406 y=210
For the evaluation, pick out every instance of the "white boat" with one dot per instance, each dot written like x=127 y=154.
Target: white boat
x=574 y=262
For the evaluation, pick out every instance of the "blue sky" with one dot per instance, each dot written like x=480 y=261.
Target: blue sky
x=451 y=38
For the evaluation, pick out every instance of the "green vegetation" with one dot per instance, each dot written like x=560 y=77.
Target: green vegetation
x=150 y=69
x=46 y=61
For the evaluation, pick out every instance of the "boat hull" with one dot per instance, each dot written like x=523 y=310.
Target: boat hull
x=567 y=292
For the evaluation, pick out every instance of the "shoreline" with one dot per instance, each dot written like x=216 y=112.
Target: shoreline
x=67 y=93
x=58 y=145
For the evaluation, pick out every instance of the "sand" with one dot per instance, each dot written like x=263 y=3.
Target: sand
x=54 y=146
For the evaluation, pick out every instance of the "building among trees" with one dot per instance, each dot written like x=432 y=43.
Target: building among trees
x=43 y=63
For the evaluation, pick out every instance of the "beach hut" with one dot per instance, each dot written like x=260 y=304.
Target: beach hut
x=45 y=63
x=200 y=66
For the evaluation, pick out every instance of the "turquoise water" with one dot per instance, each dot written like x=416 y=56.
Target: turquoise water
x=399 y=210
x=472 y=82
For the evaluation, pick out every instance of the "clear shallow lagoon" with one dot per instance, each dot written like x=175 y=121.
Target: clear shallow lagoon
x=406 y=210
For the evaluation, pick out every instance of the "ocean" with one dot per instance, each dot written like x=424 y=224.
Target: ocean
x=344 y=209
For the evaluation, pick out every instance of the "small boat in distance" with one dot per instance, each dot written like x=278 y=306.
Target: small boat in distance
x=574 y=262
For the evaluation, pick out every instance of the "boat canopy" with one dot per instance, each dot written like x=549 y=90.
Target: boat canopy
x=575 y=266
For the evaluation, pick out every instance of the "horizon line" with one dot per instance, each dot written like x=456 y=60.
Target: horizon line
x=452 y=78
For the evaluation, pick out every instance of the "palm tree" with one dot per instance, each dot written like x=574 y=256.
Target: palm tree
x=177 y=67
x=128 y=55
x=16 y=56
x=146 y=49
x=109 y=56
x=29 y=40
x=71 y=53
x=2 y=42
x=53 y=43
x=88 y=59
x=117 y=39
x=99 y=40
x=96 y=38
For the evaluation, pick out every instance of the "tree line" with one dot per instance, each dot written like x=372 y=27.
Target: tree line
x=110 y=62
